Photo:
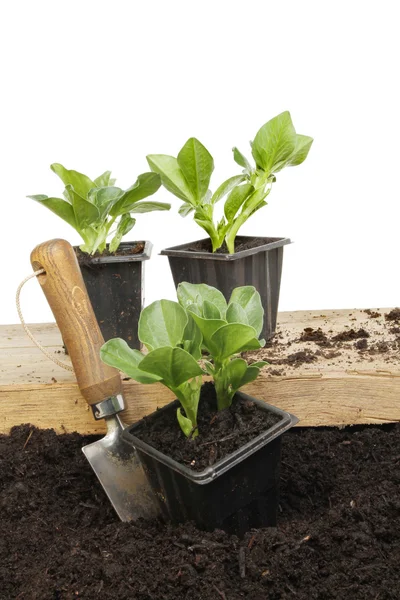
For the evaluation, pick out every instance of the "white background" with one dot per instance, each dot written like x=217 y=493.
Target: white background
x=98 y=85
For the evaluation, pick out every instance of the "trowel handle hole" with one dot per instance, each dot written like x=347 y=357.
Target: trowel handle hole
x=43 y=276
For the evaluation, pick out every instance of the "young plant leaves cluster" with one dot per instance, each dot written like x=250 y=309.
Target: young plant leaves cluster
x=275 y=146
x=174 y=347
x=227 y=329
x=97 y=209
x=201 y=334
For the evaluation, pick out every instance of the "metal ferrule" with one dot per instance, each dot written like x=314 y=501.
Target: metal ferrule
x=108 y=407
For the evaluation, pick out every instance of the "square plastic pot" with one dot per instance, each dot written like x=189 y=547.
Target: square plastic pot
x=237 y=493
x=260 y=266
x=115 y=285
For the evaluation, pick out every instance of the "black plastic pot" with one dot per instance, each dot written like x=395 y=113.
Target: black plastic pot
x=237 y=493
x=260 y=266
x=115 y=286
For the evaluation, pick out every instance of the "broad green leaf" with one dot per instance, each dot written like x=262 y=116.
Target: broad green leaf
x=253 y=344
x=192 y=338
x=226 y=187
x=235 y=200
x=171 y=176
x=185 y=209
x=241 y=160
x=250 y=375
x=210 y=311
x=230 y=338
x=124 y=226
x=162 y=324
x=80 y=182
x=86 y=213
x=145 y=207
x=59 y=207
x=196 y=293
x=207 y=327
x=235 y=372
x=260 y=364
x=103 y=180
x=274 y=142
x=236 y=314
x=184 y=423
x=116 y=353
x=249 y=300
x=104 y=198
x=303 y=145
x=145 y=185
x=173 y=365
x=197 y=165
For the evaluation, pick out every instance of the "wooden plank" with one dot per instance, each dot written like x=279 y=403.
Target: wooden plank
x=350 y=388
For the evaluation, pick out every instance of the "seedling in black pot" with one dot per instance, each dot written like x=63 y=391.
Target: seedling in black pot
x=98 y=211
x=204 y=333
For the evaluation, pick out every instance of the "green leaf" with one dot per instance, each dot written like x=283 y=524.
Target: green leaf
x=235 y=200
x=184 y=423
x=116 y=353
x=185 y=209
x=226 y=187
x=197 y=165
x=145 y=185
x=209 y=367
x=250 y=375
x=303 y=145
x=162 y=324
x=145 y=207
x=171 y=176
x=260 y=364
x=235 y=372
x=230 y=338
x=254 y=201
x=104 y=198
x=210 y=311
x=274 y=142
x=249 y=300
x=236 y=314
x=86 y=213
x=253 y=344
x=80 y=182
x=103 y=180
x=192 y=338
x=241 y=160
x=173 y=365
x=58 y=206
x=197 y=293
x=124 y=226
x=207 y=327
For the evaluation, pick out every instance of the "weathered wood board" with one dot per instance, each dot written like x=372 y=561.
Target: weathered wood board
x=341 y=385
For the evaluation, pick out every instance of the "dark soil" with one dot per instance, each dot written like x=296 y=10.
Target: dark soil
x=361 y=344
x=241 y=243
x=373 y=314
x=338 y=535
x=125 y=249
x=221 y=433
x=350 y=334
x=393 y=315
x=314 y=335
x=294 y=360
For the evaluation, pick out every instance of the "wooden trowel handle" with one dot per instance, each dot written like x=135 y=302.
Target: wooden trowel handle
x=66 y=294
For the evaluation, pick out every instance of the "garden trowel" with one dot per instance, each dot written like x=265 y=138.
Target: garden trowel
x=115 y=463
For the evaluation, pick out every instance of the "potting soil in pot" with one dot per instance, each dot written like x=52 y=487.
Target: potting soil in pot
x=338 y=535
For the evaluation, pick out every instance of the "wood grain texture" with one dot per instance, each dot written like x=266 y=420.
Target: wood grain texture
x=66 y=294
x=351 y=389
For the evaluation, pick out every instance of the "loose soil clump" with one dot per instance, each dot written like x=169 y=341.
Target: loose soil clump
x=349 y=335
x=393 y=315
x=338 y=534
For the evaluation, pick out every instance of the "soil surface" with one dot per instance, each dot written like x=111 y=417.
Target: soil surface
x=241 y=243
x=125 y=249
x=338 y=535
x=221 y=432
x=365 y=340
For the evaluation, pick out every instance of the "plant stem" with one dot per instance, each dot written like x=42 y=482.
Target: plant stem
x=222 y=385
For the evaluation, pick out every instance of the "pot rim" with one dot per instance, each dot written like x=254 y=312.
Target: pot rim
x=209 y=474
x=270 y=244
x=145 y=255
